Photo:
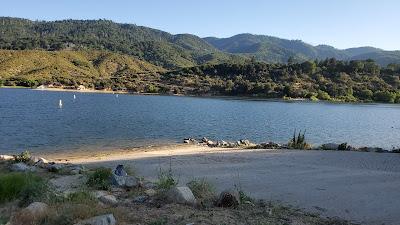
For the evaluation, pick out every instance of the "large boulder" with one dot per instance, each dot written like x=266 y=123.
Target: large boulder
x=181 y=195
x=228 y=198
x=108 y=219
x=21 y=167
x=68 y=184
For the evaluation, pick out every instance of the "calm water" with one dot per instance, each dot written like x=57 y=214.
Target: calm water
x=31 y=120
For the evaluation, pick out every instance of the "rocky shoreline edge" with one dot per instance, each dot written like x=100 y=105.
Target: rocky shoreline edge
x=247 y=144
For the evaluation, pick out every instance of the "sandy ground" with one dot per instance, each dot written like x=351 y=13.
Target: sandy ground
x=357 y=186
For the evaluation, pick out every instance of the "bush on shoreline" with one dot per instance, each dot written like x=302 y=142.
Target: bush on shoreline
x=26 y=187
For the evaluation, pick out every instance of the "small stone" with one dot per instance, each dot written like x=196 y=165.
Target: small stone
x=98 y=194
x=108 y=219
x=181 y=195
x=150 y=192
x=141 y=199
x=109 y=199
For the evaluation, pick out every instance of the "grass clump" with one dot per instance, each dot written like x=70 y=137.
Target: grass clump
x=203 y=190
x=24 y=157
x=100 y=179
x=160 y=221
x=23 y=186
x=166 y=179
x=298 y=141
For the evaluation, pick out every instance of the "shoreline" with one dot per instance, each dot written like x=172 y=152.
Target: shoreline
x=222 y=97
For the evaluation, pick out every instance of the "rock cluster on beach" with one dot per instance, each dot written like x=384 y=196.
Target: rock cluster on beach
x=272 y=145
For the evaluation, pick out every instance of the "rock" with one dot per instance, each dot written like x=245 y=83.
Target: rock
x=119 y=176
x=42 y=163
x=189 y=141
x=55 y=168
x=6 y=157
x=268 y=145
x=21 y=167
x=99 y=194
x=74 y=169
x=228 y=198
x=108 y=219
x=330 y=146
x=210 y=143
x=141 y=198
x=68 y=184
x=150 y=192
x=131 y=182
x=109 y=199
x=244 y=142
x=181 y=195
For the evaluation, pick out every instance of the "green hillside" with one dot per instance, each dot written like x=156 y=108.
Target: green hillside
x=73 y=68
x=155 y=46
x=272 y=49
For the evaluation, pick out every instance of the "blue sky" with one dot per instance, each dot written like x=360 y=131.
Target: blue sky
x=340 y=23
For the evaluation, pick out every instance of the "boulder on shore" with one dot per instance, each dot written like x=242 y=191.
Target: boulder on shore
x=181 y=195
x=108 y=219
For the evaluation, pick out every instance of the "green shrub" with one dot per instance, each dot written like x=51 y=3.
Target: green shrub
x=100 y=179
x=81 y=197
x=23 y=157
x=166 y=179
x=202 y=190
x=298 y=141
x=23 y=186
x=244 y=198
x=160 y=221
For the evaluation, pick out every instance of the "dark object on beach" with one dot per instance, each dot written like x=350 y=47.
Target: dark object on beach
x=119 y=171
x=228 y=199
x=342 y=146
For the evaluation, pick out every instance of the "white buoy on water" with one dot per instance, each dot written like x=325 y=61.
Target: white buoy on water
x=60 y=103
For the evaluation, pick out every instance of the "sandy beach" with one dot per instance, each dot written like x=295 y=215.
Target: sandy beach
x=361 y=187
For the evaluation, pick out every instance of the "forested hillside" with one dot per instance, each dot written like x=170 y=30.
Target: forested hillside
x=324 y=80
x=273 y=49
x=155 y=46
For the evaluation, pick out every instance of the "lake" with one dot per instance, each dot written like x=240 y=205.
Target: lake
x=32 y=120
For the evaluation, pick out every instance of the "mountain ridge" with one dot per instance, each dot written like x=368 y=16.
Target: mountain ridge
x=168 y=50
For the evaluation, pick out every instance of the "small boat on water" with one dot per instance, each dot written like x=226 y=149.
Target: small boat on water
x=74 y=96
x=60 y=103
